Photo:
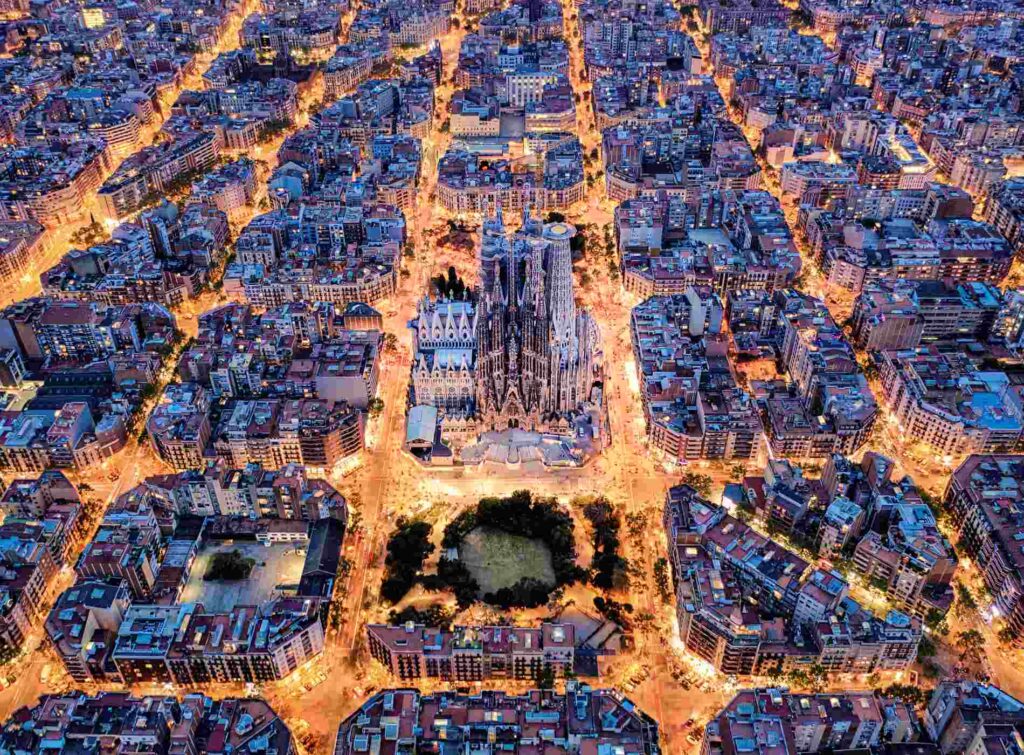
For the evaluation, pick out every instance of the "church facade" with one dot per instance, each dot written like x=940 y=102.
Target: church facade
x=515 y=353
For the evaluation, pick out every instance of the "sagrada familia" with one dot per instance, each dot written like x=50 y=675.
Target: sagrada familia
x=515 y=353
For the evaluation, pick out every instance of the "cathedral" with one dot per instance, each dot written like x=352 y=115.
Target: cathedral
x=515 y=353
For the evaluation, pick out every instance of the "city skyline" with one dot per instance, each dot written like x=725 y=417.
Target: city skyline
x=608 y=376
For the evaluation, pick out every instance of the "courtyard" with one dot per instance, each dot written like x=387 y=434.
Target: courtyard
x=277 y=568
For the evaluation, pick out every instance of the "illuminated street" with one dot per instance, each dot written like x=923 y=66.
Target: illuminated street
x=747 y=329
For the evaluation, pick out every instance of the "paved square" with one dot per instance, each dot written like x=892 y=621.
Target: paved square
x=277 y=566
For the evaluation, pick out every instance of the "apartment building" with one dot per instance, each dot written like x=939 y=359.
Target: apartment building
x=700 y=412
x=125 y=724
x=179 y=426
x=943 y=401
x=986 y=500
x=580 y=719
x=82 y=627
x=969 y=716
x=473 y=654
x=747 y=605
x=770 y=720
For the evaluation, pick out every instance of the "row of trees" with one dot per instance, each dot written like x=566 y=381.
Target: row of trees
x=522 y=514
x=608 y=569
x=408 y=548
x=434 y=615
x=518 y=514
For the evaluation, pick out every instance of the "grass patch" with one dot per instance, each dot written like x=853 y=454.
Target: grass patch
x=498 y=559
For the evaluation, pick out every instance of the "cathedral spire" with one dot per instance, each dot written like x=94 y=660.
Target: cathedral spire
x=562 y=307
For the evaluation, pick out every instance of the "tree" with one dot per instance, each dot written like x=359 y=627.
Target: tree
x=355 y=517
x=578 y=245
x=608 y=568
x=799 y=678
x=661 y=579
x=526 y=593
x=614 y=611
x=8 y=652
x=229 y=566
x=935 y=620
x=435 y=615
x=965 y=605
x=376 y=406
x=1007 y=636
x=817 y=677
x=274 y=128
x=407 y=549
x=545 y=677
x=88 y=235
x=910 y=694
x=636 y=524
x=970 y=642
x=699 y=482
x=801 y=19
x=456 y=577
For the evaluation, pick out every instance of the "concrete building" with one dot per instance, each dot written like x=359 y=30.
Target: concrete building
x=699 y=412
x=967 y=716
x=985 y=497
x=578 y=720
x=945 y=402
x=153 y=724
x=750 y=607
x=473 y=654
x=770 y=720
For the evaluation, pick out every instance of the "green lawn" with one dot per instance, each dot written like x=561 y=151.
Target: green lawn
x=497 y=559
